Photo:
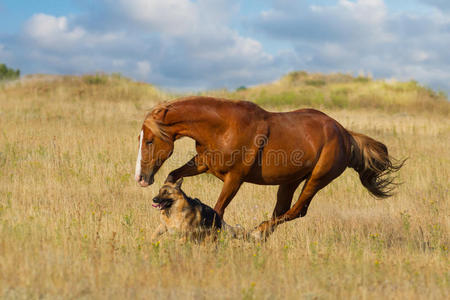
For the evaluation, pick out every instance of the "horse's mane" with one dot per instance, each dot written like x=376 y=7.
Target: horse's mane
x=157 y=127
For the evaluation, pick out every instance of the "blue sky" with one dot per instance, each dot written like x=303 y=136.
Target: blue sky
x=201 y=44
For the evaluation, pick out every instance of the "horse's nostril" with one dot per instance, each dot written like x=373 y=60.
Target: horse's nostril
x=138 y=178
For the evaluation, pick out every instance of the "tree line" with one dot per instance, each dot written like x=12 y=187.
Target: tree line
x=8 y=73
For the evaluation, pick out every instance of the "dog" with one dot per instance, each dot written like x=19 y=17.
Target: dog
x=187 y=216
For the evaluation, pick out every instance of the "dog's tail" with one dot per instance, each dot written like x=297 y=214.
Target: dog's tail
x=371 y=160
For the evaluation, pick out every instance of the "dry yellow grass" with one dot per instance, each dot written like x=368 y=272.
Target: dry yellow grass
x=73 y=224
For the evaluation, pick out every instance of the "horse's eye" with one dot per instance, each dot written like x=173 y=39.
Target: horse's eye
x=148 y=143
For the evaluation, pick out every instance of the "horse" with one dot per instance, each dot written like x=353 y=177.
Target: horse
x=238 y=141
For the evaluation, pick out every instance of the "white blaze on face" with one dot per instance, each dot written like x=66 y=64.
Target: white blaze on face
x=137 y=174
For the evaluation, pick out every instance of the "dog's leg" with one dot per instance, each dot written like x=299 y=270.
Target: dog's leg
x=158 y=232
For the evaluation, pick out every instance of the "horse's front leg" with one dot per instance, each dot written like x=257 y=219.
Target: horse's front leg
x=231 y=185
x=193 y=167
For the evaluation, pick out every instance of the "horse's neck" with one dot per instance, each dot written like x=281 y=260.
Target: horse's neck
x=195 y=123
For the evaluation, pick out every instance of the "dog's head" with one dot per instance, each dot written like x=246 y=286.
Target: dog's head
x=168 y=194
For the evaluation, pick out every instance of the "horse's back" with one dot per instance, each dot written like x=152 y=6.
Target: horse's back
x=307 y=121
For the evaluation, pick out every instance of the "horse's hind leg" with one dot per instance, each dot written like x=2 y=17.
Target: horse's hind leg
x=331 y=164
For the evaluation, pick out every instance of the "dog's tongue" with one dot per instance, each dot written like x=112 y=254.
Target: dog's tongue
x=156 y=205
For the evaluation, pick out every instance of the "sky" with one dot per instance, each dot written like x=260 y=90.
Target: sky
x=208 y=44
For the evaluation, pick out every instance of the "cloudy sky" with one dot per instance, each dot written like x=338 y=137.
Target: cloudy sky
x=198 y=44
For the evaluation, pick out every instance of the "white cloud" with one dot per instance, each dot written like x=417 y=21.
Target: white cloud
x=169 y=16
x=52 y=32
x=368 y=11
x=59 y=33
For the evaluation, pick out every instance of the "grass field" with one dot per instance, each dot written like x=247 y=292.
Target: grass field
x=74 y=225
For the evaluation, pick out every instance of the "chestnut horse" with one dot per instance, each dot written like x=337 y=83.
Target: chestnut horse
x=238 y=141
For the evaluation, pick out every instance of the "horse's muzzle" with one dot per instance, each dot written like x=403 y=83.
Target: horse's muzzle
x=145 y=181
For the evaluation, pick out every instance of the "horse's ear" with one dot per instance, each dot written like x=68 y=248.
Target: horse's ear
x=179 y=183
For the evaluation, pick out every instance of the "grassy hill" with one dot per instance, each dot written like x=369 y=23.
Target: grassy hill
x=98 y=87
x=345 y=92
x=296 y=89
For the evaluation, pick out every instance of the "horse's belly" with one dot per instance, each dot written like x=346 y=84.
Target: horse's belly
x=276 y=176
x=285 y=158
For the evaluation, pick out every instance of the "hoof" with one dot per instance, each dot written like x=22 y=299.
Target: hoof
x=239 y=231
x=262 y=232
x=235 y=232
x=256 y=236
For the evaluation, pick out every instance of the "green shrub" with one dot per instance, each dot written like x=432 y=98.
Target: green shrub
x=315 y=82
x=95 y=79
x=284 y=98
x=310 y=96
x=339 y=98
x=362 y=79
x=294 y=76
x=306 y=96
x=7 y=73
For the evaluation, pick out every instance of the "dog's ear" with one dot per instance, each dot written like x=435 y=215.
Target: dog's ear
x=179 y=183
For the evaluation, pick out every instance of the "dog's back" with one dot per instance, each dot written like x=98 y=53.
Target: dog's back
x=210 y=219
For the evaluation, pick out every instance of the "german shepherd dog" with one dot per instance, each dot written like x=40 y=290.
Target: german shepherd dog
x=186 y=216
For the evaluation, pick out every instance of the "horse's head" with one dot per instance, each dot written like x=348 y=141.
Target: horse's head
x=155 y=146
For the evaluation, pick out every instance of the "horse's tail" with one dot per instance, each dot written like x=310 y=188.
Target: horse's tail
x=371 y=160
